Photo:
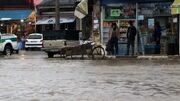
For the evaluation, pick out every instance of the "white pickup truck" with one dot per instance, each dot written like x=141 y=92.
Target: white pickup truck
x=54 y=41
x=8 y=44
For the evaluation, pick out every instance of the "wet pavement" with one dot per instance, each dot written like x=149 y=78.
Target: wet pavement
x=31 y=76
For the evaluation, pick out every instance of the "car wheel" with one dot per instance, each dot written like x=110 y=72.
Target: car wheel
x=8 y=50
x=26 y=49
x=50 y=55
x=17 y=51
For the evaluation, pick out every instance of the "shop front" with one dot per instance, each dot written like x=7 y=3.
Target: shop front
x=150 y=14
x=120 y=14
x=13 y=21
x=144 y=14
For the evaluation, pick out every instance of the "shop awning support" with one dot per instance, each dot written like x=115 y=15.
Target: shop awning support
x=136 y=25
x=57 y=16
x=175 y=10
x=179 y=31
x=80 y=12
x=35 y=18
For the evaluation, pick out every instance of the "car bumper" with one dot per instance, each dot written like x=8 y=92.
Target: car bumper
x=33 y=46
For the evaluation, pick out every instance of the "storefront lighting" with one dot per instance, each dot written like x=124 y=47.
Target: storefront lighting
x=175 y=20
x=1 y=25
x=3 y=19
x=22 y=20
x=141 y=17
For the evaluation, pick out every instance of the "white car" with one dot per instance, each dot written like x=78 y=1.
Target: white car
x=8 y=43
x=34 y=40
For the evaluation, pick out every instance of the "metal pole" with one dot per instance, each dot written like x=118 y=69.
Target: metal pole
x=136 y=24
x=80 y=22
x=101 y=25
x=179 y=31
x=80 y=34
x=57 y=15
x=35 y=18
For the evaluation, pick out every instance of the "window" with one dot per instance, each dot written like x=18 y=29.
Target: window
x=34 y=37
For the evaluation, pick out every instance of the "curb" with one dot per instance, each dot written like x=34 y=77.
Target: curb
x=152 y=57
x=122 y=57
x=145 y=57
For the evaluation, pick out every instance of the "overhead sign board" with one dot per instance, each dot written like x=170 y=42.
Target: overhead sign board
x=126 y=11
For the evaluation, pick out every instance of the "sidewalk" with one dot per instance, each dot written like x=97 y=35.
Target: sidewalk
x=159 y=57
x=145 y=57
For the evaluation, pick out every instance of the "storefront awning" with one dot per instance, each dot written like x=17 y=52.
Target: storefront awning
x=14 y=14
x=105 y=2
x=175 y=8
x=45 y=21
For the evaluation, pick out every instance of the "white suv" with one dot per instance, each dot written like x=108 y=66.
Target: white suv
x=8 y=43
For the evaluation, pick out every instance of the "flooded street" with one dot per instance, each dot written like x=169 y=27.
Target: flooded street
x=31 y=76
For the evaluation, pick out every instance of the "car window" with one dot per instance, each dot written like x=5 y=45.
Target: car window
x=34 y=37
x=61 y=34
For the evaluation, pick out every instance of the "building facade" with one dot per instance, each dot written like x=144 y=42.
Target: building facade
x=144 y=14
x=46 y=16
x=13 y=15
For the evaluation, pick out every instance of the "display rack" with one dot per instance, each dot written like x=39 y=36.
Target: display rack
x=123 y=27
x=106 y=26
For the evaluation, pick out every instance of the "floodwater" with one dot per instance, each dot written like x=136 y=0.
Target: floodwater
x=31 y=76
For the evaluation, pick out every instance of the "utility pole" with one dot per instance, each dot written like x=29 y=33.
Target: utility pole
x=57 y=15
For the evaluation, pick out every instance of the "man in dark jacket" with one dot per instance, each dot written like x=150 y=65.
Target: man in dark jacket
x=157 y=37
x=131 y=34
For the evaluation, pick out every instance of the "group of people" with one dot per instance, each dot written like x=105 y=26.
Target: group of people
x=112 y=45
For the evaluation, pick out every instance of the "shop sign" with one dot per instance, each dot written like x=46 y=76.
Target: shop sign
x=155 y=9
x=175 y=10
x=175 y=20
x=121 y=12
x=115 y=12
x=151 y=23
x=146 y=12
x=141 y=17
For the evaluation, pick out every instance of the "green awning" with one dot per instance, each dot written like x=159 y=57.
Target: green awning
x=175 y=8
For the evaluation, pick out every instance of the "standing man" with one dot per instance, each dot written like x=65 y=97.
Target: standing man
x=131 y=34
x=157 y=37
x=113 y=35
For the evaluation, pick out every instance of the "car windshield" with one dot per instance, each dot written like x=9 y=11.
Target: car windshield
x=34 y=37
x=61 y=34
